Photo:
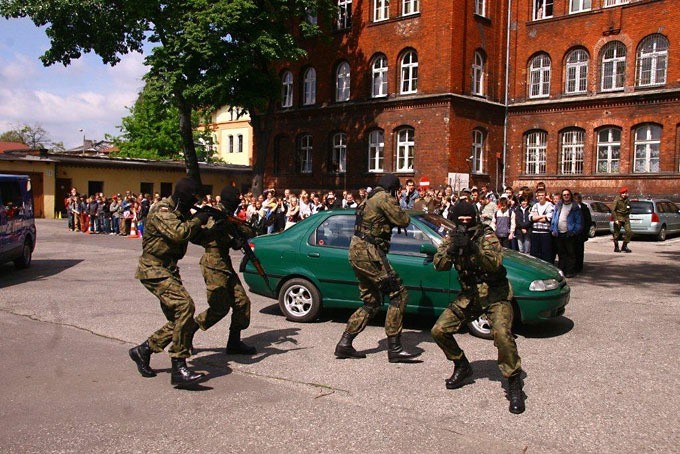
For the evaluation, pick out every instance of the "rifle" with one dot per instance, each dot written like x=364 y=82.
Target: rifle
x=234 y=223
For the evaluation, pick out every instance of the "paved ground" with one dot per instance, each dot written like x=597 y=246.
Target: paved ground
x=600 y=379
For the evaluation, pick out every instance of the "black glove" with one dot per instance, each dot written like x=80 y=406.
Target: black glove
x=237 y=244
x=458 y=242
x=203 y=216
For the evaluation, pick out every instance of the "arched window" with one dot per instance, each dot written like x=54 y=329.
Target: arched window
x=304 y=153
x=652 y=58
x=478 y=74
x=405 y=150
x=477 y=151
x=309 y=89
x=342 y=79
x=409 y=72
x=571 y=153
x=577 y=72
x=613 y=66
x=376 y=150
x=536 y=152
x=381 y=10
x=608 y=150
x=338 y=162
x=379 y=77
x=539 y=76
x=287 y=89
x=647 y=148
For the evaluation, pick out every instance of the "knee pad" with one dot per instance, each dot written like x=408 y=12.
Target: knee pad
x=390 y=284
x=370 y=310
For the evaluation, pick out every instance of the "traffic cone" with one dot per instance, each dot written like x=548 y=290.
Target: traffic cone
x=133 y=230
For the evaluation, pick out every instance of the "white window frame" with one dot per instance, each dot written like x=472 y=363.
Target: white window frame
x=576 y=72
x=480 y=8
x=571 y=154
x=535 y=158
x=344 y=20
x=608 y=3
x=579 y=6
x=608 y=150
x=379 y=77
x=543 y=9
x=287 y=89
x=309 y=87
x=305 y=150
x=613 y=67
x=381 y=10
x=539 y=76
x=342 y=82
x=409 y=7
x=405 y=155
x=478 y=138
x=339 y=152
x=647 y=148
x=409 y=73
x=376 y=150
x=652 y=61
x=478 y=74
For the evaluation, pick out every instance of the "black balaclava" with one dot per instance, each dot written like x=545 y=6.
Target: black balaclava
x=185 y=194
x=230 y=199
x=390 y=183
x=463 y=208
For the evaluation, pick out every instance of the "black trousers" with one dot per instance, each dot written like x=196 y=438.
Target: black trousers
x=566 y=251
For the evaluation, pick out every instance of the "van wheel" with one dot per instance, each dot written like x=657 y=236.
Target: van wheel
x=27 y=254
x=662 y=234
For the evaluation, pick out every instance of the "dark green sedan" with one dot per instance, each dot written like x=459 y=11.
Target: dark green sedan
x=307 y=270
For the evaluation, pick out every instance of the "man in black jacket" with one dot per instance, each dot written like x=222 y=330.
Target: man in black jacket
x=583 y=236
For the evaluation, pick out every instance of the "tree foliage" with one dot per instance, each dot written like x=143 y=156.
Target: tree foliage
x=34 y=136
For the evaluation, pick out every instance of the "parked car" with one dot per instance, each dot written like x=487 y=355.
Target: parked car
x=308 y=269
x=17 y=223
x=601 y=215
x=657 y=217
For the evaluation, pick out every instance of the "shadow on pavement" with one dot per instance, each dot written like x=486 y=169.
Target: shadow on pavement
x=615 y=276
x=39 y=269
x=551 y=328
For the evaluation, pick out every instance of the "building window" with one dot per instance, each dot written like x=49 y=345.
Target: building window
x=379 y=77
x=381 y=10
x=342 y=79
x=405 y=150
x=536 y=150
x=571 y=155
x=240 y=144
x=615 y=2
x=543 y=9
x=305 y=153
x=480 y=7
x=477 y=151
x=647 y=148
x=309 y=89
x=231 y=144
x=287 y=89
x=409 y=72
x=339 y=153
x=344 y=14
x=578 y=6
x=577 y=72
x=376 y=150
x=539 y=76
x=410 y=7
x=608 y=150
x=652 y=60
x=478 y=74
x=613 y=66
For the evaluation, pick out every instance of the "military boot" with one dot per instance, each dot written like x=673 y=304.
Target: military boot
x=344 y=349
x=237 y=347
x=181 y=375
x=396 y=352
x=616 y=246
x=461 y=371
x=624 y=248
x=516 y=395
x=141 y=355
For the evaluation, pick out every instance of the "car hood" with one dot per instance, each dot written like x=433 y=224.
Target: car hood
x=528 y=266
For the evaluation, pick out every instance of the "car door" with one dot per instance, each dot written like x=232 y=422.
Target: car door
x=4 y=223
x=673 y=216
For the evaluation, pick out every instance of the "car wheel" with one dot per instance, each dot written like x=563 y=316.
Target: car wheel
x=662 y=234
x=480 y=328
x=27 y=254
x=300 y=300
x=592 y=231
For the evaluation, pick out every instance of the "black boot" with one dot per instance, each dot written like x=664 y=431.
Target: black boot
x=141 y=355
x=236 y=347
x=461 y=371
x=616 y=246
x=624 y=248
x=395 y=351
x=181 y=375
x=516 y=395
x=344 y=349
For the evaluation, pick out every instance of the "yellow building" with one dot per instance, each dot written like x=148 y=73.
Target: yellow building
x=233 y=135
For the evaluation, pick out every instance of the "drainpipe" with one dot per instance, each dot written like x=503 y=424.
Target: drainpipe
x=507 y=89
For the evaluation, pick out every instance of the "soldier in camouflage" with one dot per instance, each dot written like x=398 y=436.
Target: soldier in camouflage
x=477 y=255
x=367 y=254
x=621 y=214
x=166 y=236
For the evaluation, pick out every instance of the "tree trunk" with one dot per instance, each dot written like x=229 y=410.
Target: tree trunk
x=262 y=124
x=187 y=134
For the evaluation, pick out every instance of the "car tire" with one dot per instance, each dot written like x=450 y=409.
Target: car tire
x=480 y=328
x=26 y=256
x=661 y=236
x=300 y=300
x=592 y=231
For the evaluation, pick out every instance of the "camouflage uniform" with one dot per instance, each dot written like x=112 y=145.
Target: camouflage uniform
x=367 y=255
x=164 y=243
x=485 y=290
x=621 y=213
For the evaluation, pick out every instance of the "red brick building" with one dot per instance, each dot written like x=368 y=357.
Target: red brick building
x=418 y=88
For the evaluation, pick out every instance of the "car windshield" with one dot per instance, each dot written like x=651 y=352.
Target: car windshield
x=641 y=208
x=438 y=224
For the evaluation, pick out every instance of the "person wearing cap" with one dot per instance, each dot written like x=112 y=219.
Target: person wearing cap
x=621 y=214
x=477 y=255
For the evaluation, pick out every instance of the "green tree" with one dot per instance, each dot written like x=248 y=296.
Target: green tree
x=34 y=136
x=205 y=54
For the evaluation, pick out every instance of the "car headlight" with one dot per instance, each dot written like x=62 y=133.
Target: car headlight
x=544 y=285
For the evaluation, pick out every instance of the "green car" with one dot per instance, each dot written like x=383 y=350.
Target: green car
x=307 y=269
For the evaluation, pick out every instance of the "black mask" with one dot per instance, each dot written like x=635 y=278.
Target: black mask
x=185 y=194
x=230 y=199
x=463 y=208
x=390 y=183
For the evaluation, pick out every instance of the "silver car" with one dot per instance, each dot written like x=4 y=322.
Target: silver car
x=601 y=215
x=657 y=217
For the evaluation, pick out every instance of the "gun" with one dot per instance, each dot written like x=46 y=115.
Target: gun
x=234 y=224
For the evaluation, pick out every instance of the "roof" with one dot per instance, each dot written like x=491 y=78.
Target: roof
x=11 y=146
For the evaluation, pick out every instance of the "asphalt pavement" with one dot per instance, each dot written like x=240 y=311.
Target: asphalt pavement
x=600 y=379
